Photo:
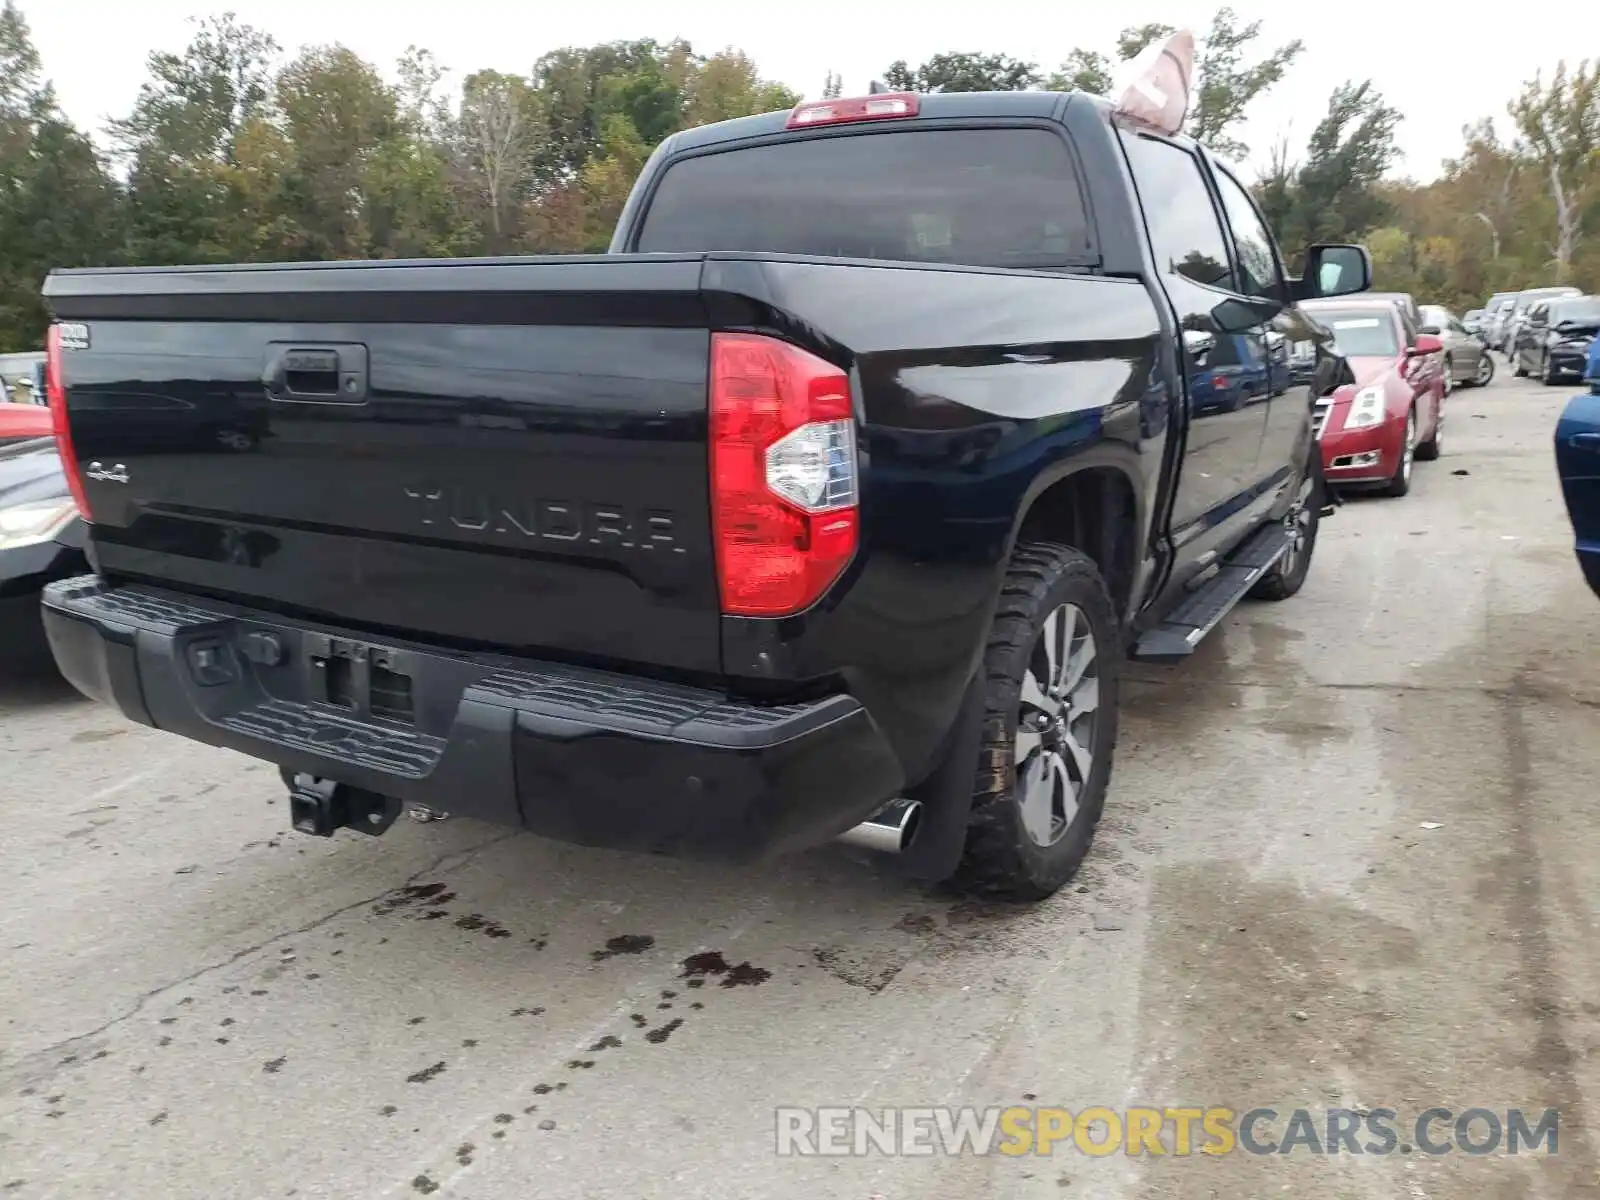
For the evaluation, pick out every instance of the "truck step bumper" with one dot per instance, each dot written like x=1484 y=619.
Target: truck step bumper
x=1178 y=636
x=593 y=757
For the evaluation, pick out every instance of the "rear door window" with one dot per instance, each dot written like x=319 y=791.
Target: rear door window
x=1259 y=269
x=1185 y=232
x=992 y=197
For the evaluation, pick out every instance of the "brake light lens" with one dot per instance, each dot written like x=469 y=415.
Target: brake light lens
x=880 y=107
x=55 y=393
x=784 y=478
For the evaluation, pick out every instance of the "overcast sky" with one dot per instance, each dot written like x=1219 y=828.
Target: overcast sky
x=1435 y=65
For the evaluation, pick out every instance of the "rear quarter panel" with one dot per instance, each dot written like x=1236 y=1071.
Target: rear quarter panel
x=977 y=391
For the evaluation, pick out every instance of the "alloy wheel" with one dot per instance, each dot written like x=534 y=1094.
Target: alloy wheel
x=1409 y=454
x=1485 y=370
x=1056 y=725
x=1297 y=524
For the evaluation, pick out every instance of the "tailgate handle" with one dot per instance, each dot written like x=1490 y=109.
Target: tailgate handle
x=317 y=373
x=1585 y=441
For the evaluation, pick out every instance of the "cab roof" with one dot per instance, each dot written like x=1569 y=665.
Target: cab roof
x=933 y=106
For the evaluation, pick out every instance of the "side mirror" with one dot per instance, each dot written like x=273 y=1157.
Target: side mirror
x=1334 y=269
x=1433 y=329
x=1427 y=343
x=1239 y=315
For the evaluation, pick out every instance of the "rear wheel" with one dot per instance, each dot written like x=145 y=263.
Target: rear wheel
x=1485 y=371
x=1517 y=369
x=1547 y=373
x=1400 y=483
x=1301 y=523
x=1050 y=725
x=1430 y=450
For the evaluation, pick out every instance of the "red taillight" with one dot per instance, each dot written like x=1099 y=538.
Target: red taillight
x=55 y=392
x=883 y=106
x=784 y=495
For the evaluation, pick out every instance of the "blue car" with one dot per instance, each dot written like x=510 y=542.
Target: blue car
x=1578 y=464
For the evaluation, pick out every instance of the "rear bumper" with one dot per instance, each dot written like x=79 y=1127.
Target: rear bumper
x=579 y=755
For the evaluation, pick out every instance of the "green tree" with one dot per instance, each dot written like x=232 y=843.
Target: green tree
x=609 y=177
x=337 y=113
x=1084 y=71
x=178 y=142
x=962 y=72
x=1334 y=194
x=59 y=207
x=1560 y=128
x=632 y=95
x=500 y=132
x=727 y=85
x=581 y=86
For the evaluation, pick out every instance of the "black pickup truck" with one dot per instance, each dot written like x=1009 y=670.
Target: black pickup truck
x=826 y=505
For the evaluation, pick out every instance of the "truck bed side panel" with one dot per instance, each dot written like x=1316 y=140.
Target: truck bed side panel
x=979 y=390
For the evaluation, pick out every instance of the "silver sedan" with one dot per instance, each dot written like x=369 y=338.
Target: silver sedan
x=1467 y=359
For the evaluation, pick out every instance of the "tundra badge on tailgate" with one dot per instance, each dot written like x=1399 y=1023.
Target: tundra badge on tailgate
x=571 y=521
x=74 y=335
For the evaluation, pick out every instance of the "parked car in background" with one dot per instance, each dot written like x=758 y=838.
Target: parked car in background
x=21 y=422
x=1373 y=430
x=1473 y=320
x=1555 y=341
x=1405 y=300
x=1466 y=359
x=1578 y=465
x=1495 y=309
x=1411 y=315
x=1517 y=313
x=41 y=540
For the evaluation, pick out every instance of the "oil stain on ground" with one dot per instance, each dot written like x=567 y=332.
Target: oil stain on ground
x=697 y=967
x=627 y=943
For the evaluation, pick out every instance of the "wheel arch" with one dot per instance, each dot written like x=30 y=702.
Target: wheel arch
x=1095 y=506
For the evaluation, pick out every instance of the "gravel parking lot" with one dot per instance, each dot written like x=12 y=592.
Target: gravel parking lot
x=1350 y=858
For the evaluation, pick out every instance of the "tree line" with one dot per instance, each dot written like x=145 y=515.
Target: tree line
x=238 y=151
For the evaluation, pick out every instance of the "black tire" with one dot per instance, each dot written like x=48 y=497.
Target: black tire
x=1001 y=858
x=1304 y=518
x=1547 y=375
x=1517 y=369
x=1430 y=450
x=1485 y=373
x=1400 y=483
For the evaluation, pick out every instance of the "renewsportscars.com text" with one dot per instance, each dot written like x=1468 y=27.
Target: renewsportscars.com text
x=1179 y=1131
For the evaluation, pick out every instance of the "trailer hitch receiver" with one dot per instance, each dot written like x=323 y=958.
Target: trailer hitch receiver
x=320 y=806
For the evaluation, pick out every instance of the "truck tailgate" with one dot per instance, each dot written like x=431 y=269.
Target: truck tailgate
x=508 y=455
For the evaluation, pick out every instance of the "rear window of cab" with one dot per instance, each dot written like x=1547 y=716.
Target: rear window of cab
x=992 y=197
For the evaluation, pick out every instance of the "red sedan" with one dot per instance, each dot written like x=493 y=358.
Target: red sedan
x=1373 y=429
x=18 y=421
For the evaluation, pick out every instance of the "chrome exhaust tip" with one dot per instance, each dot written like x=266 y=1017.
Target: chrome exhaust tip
x=887 y=832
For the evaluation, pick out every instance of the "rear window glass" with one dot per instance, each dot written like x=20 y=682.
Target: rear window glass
x=1586 y=311
x=974 y=197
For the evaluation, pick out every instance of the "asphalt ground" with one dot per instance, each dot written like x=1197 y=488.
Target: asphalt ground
x=1348 y=861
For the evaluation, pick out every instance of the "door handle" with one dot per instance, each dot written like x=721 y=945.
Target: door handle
x=316 y=372
x=1585 y=441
